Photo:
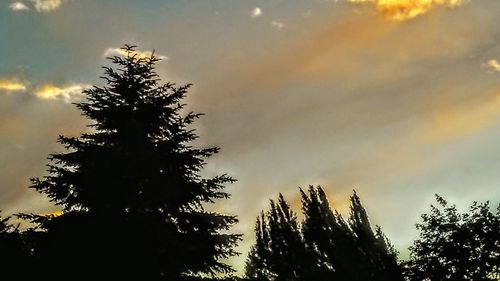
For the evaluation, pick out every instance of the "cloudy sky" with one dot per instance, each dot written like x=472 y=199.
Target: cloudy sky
x=399 y=99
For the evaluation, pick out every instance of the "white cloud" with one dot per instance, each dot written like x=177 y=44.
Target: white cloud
x=278 y=25
x=257 y=12
x=37 y=5
x=18 y=6
x=493 y=65
x=46 y=5
x=68 y=94
x=140 y=54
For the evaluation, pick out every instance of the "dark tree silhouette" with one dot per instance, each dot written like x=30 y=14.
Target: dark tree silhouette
x=328 y=234
x=379 y=260
x=279 y=253
x=130 y=189
x=325 y=247
x=258 y=265
x=456 y=246
x=14 y=253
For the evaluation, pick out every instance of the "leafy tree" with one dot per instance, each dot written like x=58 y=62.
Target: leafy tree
x=456 y=246
x=130 y=189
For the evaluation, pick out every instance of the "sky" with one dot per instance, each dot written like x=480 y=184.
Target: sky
x=398 y=99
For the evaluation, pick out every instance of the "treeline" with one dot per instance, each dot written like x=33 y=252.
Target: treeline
x=326 y=246
x=133 y=207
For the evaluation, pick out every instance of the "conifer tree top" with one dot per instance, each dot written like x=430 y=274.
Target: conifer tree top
x=137 y=170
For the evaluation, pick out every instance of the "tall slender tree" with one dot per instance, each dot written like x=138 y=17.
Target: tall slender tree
x=325 y=247
x=378 y=261
x=328 y=234
x=279 y=253
x=130 y=189
x=258 y=266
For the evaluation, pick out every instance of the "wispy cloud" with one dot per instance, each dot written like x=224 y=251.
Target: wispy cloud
x=492 y=65
x=12 y=85
x=139 y=54
x=460 y=121
x=278 y=25
x=68 y=94
x=257 y=12
x=18 y=6
x=407 y=9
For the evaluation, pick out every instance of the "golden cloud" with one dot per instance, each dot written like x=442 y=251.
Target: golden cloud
x=12 y=85
x=493 y=65
x=68 y=94
x=401 y=10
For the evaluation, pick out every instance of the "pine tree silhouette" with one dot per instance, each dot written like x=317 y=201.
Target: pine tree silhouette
x=130 y=189
x=456 y=246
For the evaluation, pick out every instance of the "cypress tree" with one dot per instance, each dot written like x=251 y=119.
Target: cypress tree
x=130 y=188
x=279 y=252
x=330 y=236
x=257 y=264
x=378 y=259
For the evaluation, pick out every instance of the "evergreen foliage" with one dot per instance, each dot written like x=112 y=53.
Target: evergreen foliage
x=130 y=189
x=325 y=247
x=14 y=252
x=279 y=252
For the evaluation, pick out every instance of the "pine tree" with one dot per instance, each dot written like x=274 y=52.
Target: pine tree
x=130 y=189
x=456 y=246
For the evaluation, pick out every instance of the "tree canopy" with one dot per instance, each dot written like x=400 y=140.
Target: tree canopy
x=456 y=246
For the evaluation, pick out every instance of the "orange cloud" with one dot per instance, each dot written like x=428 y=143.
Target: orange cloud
x=401 y=10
